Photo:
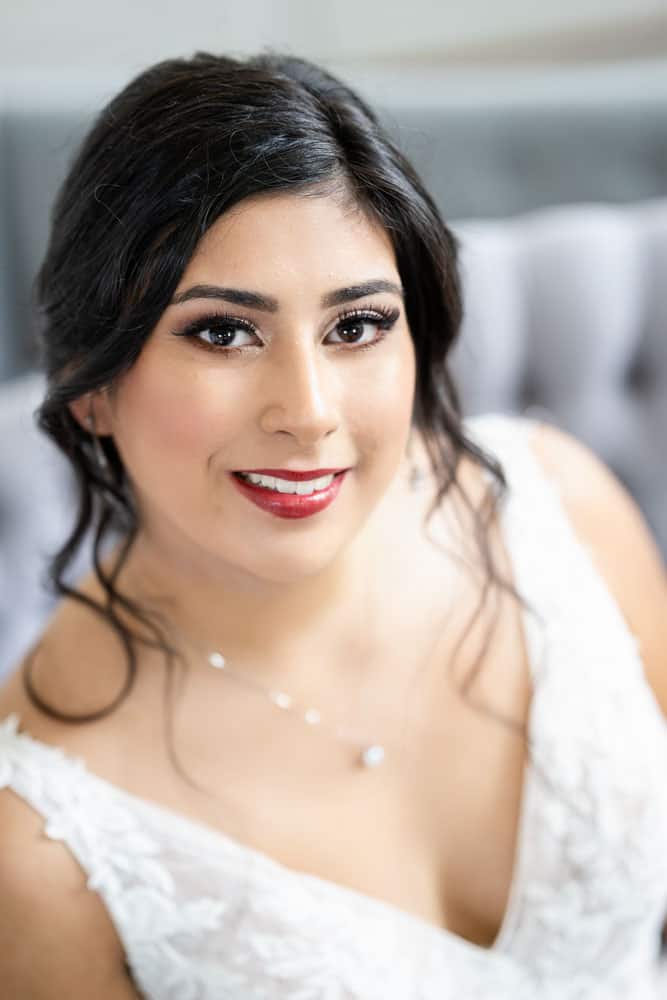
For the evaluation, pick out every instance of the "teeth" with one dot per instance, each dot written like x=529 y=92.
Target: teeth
x=303 y=488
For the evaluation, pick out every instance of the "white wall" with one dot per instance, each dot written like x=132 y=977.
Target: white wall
x=43 y=35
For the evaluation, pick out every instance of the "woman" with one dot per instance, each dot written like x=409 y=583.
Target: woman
x=352 y=703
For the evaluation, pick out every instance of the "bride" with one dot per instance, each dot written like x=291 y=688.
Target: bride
x=361 y=698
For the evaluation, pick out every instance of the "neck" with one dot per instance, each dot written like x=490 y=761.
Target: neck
x=223 y=607
x=271 y=628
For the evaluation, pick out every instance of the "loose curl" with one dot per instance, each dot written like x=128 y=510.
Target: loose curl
x=176 y=149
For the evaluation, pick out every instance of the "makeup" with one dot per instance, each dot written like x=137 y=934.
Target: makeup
x=290 y=505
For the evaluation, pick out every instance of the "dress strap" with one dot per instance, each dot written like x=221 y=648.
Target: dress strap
x=554 y=569
x=76 y=811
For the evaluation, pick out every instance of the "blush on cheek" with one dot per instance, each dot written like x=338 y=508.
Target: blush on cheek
x=392 y=402
x=180 y=424
x=171 y=410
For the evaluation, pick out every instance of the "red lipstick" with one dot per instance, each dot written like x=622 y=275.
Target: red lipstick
x=291 y=505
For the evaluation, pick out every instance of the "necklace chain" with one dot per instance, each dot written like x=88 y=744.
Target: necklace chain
x=371 y=755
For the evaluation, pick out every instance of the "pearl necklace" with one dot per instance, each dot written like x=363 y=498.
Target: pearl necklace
x=371 y=755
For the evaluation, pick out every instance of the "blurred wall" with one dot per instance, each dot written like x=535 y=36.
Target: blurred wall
x=75 y=34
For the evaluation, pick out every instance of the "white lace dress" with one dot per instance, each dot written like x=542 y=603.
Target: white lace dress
x=203 y=917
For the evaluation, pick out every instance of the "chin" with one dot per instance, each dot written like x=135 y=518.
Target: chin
x=290 y=559
x=295 y=566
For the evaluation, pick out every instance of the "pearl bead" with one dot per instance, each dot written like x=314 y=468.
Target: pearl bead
x=372 y=756
x=281 y=699
x=216 y=660
x=312 y=717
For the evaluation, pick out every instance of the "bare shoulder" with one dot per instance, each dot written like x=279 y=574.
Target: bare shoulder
x=56 y=936
x=56 y=939
x=77 y=666
x=608 y=520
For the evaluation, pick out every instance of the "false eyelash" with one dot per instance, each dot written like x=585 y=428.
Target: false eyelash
x=215 y=319
x=389 y=316
x=389 y=313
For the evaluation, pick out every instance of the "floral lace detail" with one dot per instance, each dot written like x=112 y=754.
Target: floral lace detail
x=593 y=890
x=203 y=917
x=122 y=859
x=266 y=932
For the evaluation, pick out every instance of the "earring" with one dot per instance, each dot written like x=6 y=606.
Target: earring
x=416 y=477
x=98 y=451
x=415 y=473
x=111 y=494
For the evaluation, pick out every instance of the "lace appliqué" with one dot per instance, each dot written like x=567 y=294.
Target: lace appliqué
x=122 y=861
x=593 y=891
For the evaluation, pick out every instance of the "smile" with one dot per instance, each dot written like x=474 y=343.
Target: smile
x=302 y=488
x=289 y=498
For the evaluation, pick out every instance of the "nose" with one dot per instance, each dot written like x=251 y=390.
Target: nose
x=300 y=396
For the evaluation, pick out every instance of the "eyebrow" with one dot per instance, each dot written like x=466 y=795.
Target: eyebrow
x=253 y=300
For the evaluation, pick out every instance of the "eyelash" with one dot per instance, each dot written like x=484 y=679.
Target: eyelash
x=383 y=316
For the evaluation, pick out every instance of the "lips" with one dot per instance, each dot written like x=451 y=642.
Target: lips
x=291 y=505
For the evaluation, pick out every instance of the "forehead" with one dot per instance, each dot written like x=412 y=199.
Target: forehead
x=269 y=239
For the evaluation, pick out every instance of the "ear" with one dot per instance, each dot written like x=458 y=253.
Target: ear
x=95 y=404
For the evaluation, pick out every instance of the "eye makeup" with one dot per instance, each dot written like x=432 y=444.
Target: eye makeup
x=222 y=326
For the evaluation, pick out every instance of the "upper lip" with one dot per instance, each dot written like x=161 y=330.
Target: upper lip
x=292 y=473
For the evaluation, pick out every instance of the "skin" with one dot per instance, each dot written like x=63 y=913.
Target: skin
x=354 y=609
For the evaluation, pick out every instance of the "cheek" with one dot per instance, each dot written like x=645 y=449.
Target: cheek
x=383 y=405
x=174 y=413
x=398 y=385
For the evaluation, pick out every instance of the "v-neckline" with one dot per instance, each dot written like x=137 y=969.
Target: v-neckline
x=221 y=839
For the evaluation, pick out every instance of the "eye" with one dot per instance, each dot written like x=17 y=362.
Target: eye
x=220 y=331
x=224 y=334
x=357 y=329
x=356 y=325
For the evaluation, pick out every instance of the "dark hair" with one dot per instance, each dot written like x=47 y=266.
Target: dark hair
x=179 y=146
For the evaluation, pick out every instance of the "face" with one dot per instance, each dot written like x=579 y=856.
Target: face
x=272 y=356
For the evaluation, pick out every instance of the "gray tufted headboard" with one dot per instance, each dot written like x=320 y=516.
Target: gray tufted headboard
x=567 y=316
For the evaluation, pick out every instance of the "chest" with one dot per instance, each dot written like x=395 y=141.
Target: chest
x=433 y=830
